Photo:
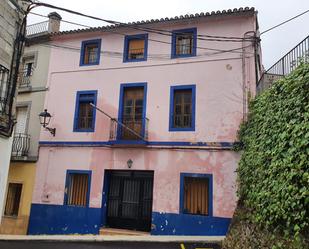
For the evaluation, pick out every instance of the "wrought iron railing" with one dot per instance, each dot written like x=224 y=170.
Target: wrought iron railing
x=4 y=87
x=285 y=65
x=129 y=129
x=21 y=145
x=37 y=28
x=25 y=78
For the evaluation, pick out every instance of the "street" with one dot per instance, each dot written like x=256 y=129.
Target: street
x=104 y=245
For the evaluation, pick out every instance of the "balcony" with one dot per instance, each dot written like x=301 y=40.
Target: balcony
x=25 y=77
x=21 y=145
x=37 y=28
x=128 y=132
x=285 y=65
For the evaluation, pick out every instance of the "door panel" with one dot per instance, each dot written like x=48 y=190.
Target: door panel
x=130 y=200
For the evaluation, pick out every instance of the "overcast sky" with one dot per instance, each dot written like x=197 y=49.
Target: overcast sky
x=270 y=12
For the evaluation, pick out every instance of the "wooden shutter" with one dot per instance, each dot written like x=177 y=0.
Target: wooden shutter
x=196 y=196
x=22 y=115
x=13 y=199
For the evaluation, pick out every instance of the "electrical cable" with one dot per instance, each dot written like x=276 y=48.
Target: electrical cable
x=278 y=25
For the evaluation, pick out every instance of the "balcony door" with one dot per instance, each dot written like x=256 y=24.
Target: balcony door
x=132 y=116
x=21 y=119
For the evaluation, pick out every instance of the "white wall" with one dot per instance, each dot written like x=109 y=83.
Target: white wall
x=5 y=156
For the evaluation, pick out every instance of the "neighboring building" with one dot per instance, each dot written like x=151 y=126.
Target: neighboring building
x=283 y=67
x=11 y=23
x=29 y=103
x=162 y=160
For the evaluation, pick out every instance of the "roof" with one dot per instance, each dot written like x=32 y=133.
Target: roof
x=229 y=12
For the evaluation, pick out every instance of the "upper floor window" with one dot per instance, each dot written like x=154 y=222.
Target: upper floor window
x=84 y=120
x=90 y=52
x=135 y=48
x=77 y=189
x=184 y=43
x=196 y=194
x=182 y=108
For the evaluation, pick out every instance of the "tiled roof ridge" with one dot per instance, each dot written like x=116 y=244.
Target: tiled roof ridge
x=166 y=19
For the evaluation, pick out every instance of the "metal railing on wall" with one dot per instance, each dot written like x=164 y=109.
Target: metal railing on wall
x=21 y=145
x=284 y=66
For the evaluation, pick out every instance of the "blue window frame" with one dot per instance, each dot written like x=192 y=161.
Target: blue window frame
x=135 y=48
x=90 y=52
x=184 y=43
x=85 y=114
x=196 y=194
x=182 y=108
x=123 y=88
x=77 y=188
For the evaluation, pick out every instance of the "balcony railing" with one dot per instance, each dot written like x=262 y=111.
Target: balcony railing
x=37 y=28
x=21 y=145
x=285 y=65
x=25 y=78
x=129 y=130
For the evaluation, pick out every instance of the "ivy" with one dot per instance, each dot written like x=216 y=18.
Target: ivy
x=273 y=172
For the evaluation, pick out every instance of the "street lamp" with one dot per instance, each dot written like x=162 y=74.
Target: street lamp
x=44 y=121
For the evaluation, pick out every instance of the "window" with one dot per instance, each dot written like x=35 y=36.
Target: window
x=182 y=108
x=132 y=111
x=13 y=199
x=84 y=120
x=196 y=194
x=77 y=189
x=135 y=48
x=184 y=43
x=90 y=52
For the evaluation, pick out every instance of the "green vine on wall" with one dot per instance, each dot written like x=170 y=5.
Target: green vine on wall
x=273 y=172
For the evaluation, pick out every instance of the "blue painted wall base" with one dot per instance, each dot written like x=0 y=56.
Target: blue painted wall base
x=186 y=224
x=62 y=219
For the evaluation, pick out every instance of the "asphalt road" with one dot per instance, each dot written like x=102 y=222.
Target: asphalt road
x=102 y=245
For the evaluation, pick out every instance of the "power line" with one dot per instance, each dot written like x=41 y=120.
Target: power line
x=278 y=25
x=169 y=43
x=134 y=26
x=115 y=54
x=75 y=23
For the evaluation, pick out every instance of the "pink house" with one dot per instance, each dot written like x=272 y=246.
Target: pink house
x=156 y=155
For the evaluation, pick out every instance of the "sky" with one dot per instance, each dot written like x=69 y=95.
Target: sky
x=275 y=43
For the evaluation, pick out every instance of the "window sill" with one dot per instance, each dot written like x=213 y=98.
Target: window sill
x=171 y=129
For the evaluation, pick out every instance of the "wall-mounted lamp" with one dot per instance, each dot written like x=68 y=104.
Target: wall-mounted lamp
x=129 y=163
x=44 y=121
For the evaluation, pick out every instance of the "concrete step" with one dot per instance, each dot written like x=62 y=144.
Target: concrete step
x=115 y=231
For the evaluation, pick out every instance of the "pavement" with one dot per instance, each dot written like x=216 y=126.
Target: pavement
x=109 y=242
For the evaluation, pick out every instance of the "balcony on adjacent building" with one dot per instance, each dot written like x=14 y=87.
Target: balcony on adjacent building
x=25 y=77
x=285 y=65
x=129 y=131
x=20 y=146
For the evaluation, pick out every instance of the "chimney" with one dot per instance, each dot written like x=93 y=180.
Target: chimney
x=54 y=22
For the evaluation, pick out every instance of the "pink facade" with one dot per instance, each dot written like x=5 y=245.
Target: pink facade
x=223 y=75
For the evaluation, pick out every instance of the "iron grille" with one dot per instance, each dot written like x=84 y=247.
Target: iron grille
x=129 y=129
x=21 y=145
